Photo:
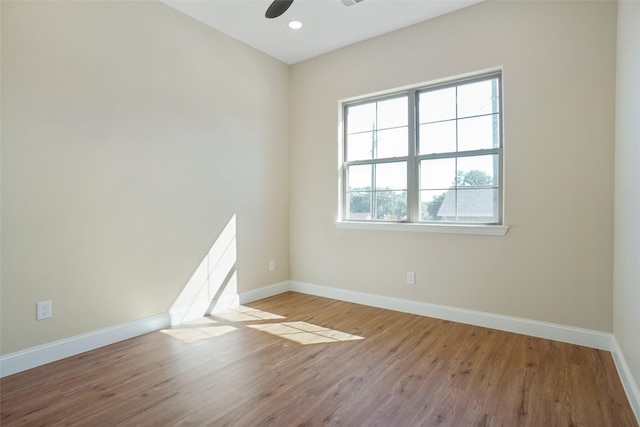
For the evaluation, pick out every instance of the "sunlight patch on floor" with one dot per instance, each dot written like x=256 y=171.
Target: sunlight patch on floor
x=301 y=332
x=199 y=322
x=305 y=333
x=246 y=314
x=197 y=334
x=199 y=329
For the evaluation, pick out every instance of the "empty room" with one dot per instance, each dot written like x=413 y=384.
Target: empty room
x=302 y=213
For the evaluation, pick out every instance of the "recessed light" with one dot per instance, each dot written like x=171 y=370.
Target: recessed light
x=295 y=25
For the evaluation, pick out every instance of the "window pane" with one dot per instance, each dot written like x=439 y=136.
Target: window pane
x=430 y=203
x=361 y=118
x=438 y=137
x=474 y=205
x=392 y=113
x=456 y=127
x=360 y=146
x=437 y=174
x=391 y=205
x=477 y=171
x=359 y=177
x=437 y=105
x=478 y=133
x=478 y=98
x=391 y=176
x=359 y=205
x=469 y=205
x=392 y=143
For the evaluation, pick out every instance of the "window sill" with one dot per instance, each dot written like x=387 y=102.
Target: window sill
x=487 y=230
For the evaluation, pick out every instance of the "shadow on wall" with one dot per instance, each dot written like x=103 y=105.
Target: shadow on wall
x=214 y=284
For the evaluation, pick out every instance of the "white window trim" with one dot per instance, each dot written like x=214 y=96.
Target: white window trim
x=480 y=229
x=424 y=227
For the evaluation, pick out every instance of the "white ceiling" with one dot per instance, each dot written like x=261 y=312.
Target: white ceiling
x=327 y=24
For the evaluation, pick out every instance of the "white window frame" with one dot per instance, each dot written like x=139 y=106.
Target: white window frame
x=412 y=221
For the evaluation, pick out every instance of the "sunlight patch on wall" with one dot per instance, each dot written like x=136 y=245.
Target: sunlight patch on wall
x=214 y=284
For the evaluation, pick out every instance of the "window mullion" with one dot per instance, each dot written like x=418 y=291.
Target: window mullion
x=412 y=167
x=471 y=205
x=374 y=204
x=470 y=153
x=344 y=199
x=374 y=185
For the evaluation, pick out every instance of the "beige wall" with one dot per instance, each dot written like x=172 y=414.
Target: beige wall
x=627 y=194
x=131 y=134
x=555 y=264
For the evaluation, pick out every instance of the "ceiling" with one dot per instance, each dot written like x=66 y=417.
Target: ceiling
x=327 y=24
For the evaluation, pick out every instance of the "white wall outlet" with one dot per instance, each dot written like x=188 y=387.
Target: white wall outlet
x=43 y=310
x=272 y=266
x=411 y=277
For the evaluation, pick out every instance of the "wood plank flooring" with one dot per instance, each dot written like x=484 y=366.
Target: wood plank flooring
x=301 y=360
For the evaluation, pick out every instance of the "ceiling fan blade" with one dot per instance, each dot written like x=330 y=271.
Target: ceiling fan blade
x=277 y=8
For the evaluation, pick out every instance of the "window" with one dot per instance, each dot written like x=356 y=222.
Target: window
x=426 y=155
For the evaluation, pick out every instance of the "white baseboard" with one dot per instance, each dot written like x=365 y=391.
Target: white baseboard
x=264 y=292
x=40 y=355
x=196 y=311
x=552 y=331
x=188 y=313
x=223 y=304
x=628 y=382
x=36 y=356
x=568 y=334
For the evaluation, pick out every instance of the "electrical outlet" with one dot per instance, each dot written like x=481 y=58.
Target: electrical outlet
x=272 y=266
x=43 y=310
x=411 y=278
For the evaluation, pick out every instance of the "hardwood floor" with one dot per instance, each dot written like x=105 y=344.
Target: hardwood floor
x=300 y=360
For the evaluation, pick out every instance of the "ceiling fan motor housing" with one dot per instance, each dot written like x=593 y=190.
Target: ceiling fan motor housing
x=351 y=2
